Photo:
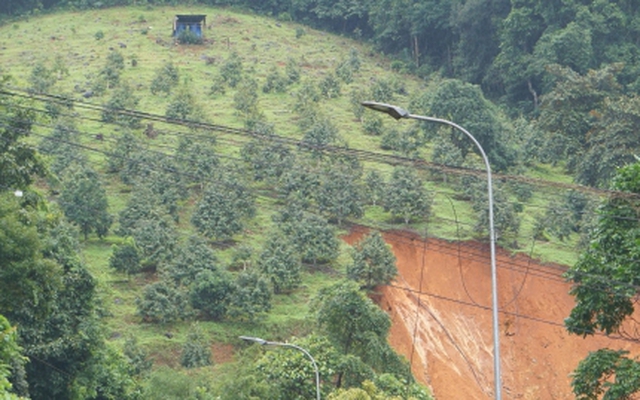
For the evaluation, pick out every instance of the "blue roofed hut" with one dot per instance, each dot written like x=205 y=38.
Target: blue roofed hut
x=193 y=23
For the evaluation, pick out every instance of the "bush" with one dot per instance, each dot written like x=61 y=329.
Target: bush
x=195 y=352
x=188 y=37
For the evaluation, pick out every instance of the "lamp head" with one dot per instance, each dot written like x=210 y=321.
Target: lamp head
x=395 y=111
x=254 y=339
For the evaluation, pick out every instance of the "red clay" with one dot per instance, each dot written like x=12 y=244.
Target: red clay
x=448 y=338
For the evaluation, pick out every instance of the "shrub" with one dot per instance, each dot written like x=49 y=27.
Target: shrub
x=188 y=37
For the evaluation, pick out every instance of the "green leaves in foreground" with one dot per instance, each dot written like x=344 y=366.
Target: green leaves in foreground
x=607 y=373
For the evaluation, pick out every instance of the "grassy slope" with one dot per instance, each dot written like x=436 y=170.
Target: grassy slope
x=262 y=43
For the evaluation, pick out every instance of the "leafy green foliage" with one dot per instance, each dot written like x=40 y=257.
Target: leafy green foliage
x=251 y=296
x=275 y=82
x=166 y=78
x=112 y=69
x=292 y=372
x=125 y=257
x=118 y=108
x=604 y=277
x=210 y=292
x=10 y=357
x=312 y=237
x=373 y=262
x=60 y=145
x=183 y=105
x=406 y=197
x=19 y=161
x=197 y=158
x=267 y=161
x=280 y=263
x=231 y=70
x=84 y=202
x=196 y=351
x=329 y=86
x=340 y=193
x=137 y=357
x=466 y=105
x=607 y=373
x=506 y=217
x=222 y=210
x=41 y=79
x=351 y=321
x=189 y=37
x=162 y=302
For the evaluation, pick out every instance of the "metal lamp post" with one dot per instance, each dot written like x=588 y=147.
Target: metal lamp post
x=399 y=113
x=293 y=346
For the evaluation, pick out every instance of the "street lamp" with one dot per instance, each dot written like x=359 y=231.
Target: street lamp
x=399 y=113
x=263 y=342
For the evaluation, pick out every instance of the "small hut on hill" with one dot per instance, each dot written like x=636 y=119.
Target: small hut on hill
x=193 y=23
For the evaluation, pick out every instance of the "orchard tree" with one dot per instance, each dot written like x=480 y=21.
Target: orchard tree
x=125 y=257
x=329 y=86
x=267 y=161
x=19 y=161
x=197 y=158
x=280 y=263
x=231 y=70
x=250 y=298
x=465 y=104
x=166 y=79
x=112 y=69
x=374 y=187
x=84 y=202
x=61 y=146
x=356 y=326
x=373 y=262
x=276 y=82
x=41 y=79
x=137 y=356
x=126 y=144
x=313 y=238
x=120 y=108
x=406 y=197
x=156 y=239
x=210 y=292
x=506 y=212
x=195 y=351
x=183 y=105
x=162 y=303
x=604 y=282
x=142 y=205
x=340 y=193
x=190 y=259
x=223 y=209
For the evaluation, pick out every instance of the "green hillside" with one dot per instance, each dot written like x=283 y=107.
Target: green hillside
x=294 y=152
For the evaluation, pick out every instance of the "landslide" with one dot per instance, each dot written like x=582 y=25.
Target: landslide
x=440 y=305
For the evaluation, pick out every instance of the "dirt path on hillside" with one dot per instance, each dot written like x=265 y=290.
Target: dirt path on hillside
x=446 y=332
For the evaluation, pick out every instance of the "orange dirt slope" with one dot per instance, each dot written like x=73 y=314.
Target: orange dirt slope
x=446 y=332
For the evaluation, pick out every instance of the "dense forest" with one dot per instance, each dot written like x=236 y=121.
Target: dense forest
x=211 y=230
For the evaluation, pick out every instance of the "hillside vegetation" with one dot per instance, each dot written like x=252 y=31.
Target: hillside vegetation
x=208 y=185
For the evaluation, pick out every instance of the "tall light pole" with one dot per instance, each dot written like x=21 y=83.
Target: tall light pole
x=290 y=345
x=399 y=113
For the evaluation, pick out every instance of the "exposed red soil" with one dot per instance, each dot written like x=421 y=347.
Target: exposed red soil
x=449 y=338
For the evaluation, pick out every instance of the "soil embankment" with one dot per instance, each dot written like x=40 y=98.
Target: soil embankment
x=442 y=321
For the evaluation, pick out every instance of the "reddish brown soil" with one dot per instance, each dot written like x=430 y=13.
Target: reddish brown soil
x=448 y=338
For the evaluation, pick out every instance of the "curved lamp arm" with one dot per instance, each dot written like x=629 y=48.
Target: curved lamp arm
x=264 y=342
